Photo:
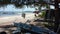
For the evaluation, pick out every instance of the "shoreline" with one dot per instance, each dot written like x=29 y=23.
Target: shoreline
x=5 y=15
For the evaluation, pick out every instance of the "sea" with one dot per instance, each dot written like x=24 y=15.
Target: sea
x=11 y=13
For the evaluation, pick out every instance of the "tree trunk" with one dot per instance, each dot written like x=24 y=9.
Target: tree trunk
x=57 y=18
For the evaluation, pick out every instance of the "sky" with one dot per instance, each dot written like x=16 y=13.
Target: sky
x=13 y=8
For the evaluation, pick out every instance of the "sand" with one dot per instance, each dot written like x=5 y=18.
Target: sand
x=8 y=20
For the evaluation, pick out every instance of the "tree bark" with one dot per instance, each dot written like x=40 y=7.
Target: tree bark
x=57 y=17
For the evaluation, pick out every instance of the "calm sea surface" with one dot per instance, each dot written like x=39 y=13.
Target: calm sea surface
x=13 y=13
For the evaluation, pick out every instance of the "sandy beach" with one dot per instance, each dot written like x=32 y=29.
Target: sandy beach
x=8 y=20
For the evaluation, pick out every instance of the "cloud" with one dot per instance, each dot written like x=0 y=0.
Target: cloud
x=13 y=8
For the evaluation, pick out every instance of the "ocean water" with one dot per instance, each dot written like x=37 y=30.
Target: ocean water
x=2 y=14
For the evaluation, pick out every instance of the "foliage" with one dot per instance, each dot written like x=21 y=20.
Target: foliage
x=42 y=14
x=20 y=5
